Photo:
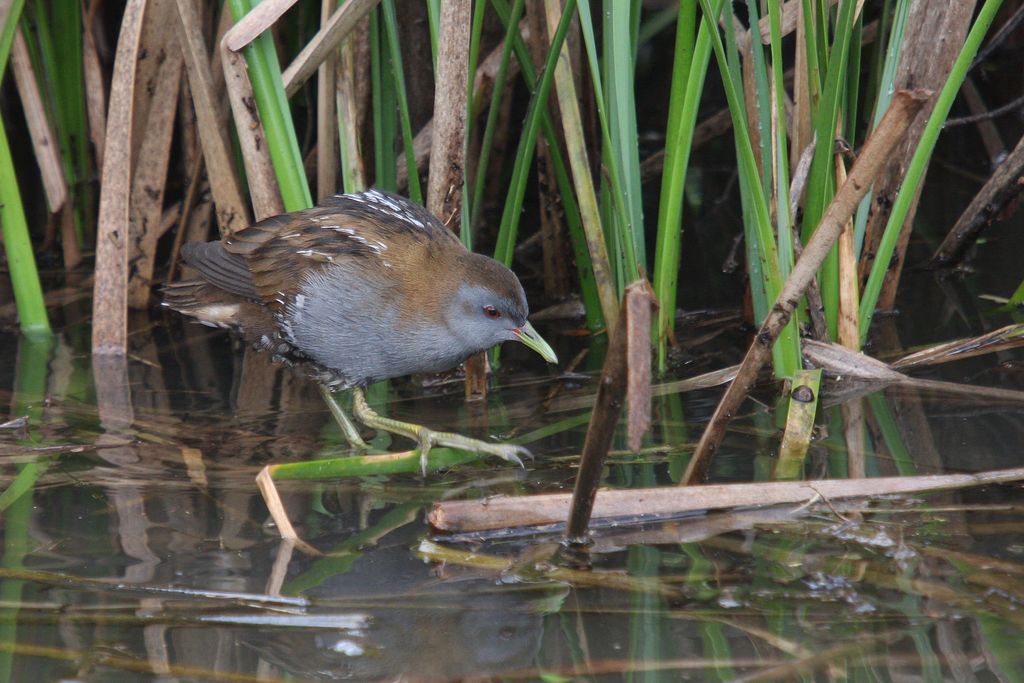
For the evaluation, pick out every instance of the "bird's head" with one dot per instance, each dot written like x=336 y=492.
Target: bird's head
x=489 y=307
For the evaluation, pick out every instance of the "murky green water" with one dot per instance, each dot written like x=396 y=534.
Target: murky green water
x=136 y=546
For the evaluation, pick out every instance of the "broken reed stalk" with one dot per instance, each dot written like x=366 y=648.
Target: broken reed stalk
x=626 y=364
x=1005 y=338
x=887 y=250
x=346 y=18
x=279 y=513
x=256 y=21
x=796 y=439
x=904 y=107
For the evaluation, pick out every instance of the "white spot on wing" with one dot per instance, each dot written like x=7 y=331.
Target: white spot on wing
x=391 y=208
x=217 y=314
x=314 y=252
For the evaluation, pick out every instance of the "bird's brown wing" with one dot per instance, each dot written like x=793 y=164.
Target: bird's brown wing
x=217 y=266
x=371 y=231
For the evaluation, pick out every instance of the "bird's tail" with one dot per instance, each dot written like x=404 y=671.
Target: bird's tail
x=213 y=306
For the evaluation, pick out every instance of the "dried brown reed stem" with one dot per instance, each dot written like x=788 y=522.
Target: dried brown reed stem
x=95 y=89
x=483 y=82
x=110 y=294
x=579 y=163
x=211 y=116
x=256 y=21
x=848 y=327
x=44 y=144
x=447 y=148
x=501 y=512
x=259 y=170
x=447 y=151
x=279 y=513
x=326 y=117
x=150 y=175
x=986 y=207
x=933 y=39
x=324 y=43
x=353 y=86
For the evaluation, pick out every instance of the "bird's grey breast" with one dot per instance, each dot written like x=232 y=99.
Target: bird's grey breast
x=349 y=321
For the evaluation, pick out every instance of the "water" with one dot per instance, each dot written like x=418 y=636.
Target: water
x=136 y=546
x=141 y=548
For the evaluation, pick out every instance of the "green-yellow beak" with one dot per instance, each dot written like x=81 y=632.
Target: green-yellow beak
x=529 y=336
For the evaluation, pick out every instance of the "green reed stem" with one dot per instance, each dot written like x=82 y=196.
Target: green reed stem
x=369 y=465
x=619 y=65
x=398 y=74
x=272 y=103
x=579 y=198
x=613 y=199
x=511 y=20
x=760 y=234
x=385 y=159
x=689 y=69
x=28 y=293
x=528 y=143
x=762 y=110
x=891 y=435
x=433 y=22
x=466 y=215
x=778 y=147
x=821 y=184
x=60 y=74
x=883 y=96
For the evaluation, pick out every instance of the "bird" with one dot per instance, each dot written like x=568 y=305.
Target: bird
x=360 y=288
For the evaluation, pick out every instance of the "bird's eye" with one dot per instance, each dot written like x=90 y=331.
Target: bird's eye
x=492 y=312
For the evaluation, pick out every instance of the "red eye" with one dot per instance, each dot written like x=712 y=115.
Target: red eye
x=492 y=312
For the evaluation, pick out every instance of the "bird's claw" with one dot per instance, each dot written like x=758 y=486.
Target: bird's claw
x=508 y=452
x=514 y=454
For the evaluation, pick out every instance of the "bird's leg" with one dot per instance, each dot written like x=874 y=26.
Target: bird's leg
x=427 y=438
x=347 y=427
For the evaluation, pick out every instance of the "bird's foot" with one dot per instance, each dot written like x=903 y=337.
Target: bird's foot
x=428 y=438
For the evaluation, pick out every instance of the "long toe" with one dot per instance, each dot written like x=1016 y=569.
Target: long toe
x=426 y=440
x=509 y=452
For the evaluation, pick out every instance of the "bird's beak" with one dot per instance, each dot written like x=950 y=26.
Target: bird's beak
x=529 y=336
